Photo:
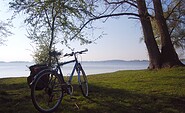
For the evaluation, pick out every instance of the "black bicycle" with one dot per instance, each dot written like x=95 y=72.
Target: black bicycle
x=49 y=86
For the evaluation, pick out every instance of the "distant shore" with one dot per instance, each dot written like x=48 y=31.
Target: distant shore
x=183 y=60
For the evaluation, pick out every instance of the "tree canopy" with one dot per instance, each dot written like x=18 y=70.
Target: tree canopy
x=4 y=31
x=58 y=19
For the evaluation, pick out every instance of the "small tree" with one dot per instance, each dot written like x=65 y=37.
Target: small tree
x=58 y=19
x=41 y=54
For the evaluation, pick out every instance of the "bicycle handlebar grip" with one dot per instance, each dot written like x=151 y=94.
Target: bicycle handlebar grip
x=69 y=54
x=83 y=51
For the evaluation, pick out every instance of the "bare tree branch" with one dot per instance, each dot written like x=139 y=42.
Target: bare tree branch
x=104 y=16
x=173 y=9
x=121 y=2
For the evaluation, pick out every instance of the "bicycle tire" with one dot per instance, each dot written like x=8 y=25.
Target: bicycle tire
x=83 y=82
x=48 y=99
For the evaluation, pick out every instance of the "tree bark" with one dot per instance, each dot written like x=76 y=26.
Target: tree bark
x=153 y=50
x=169 y=57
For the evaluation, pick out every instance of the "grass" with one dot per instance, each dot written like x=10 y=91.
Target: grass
x=141 y=91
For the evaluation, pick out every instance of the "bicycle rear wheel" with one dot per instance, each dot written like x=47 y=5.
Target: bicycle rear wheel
x=83 y=83
x=46 y=95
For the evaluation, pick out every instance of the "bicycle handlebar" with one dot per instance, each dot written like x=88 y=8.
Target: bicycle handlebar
x=55 y=53
x=74 y=53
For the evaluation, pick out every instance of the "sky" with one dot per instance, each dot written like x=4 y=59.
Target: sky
x=121 y=42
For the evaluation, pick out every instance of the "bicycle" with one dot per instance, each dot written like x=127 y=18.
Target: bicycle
x=48 y=98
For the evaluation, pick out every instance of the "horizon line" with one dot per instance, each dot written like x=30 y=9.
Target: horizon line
x=18 y=61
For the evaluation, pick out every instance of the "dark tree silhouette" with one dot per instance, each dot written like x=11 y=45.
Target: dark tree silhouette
x=167 y=56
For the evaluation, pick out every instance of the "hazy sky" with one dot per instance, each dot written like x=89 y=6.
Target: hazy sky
x=120 y=42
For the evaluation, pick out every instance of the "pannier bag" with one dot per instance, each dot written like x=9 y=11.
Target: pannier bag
x=34 y=70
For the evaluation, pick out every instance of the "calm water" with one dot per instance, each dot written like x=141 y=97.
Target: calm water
x=21 y=69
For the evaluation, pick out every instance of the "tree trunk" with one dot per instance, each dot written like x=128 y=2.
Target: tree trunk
x=169 y=57
x=153 y=50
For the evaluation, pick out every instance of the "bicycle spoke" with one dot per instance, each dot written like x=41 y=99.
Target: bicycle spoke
x=48 y=98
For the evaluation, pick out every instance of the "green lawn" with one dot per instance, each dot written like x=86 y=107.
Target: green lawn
x=141 y=91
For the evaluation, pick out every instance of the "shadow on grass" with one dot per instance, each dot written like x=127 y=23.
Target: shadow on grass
x=108 y=100
x=16 y=98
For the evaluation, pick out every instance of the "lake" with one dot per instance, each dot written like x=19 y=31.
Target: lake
x=20 y=69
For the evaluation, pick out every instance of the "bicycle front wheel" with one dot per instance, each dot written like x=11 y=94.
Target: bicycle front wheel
x=46 y=91
x=82 y=79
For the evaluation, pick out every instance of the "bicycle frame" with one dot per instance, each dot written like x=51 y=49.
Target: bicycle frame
x=73 y=71
x=75 y=67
